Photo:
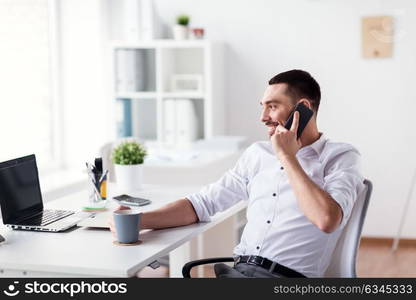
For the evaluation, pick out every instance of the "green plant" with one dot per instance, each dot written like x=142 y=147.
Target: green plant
x=128 y=153
x=183 y=20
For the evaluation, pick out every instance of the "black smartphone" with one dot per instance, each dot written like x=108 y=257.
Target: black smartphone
x=130 y=200
x=305 y=114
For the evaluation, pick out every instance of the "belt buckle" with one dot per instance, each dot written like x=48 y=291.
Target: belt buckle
x=252 y=260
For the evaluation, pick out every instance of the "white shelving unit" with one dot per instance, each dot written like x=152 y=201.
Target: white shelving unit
x=164 y=58
x=161 y=60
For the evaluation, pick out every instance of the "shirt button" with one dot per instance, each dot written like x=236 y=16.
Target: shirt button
x=274 y=194
x=257 y=247
x=281 y=168
x=268 y=221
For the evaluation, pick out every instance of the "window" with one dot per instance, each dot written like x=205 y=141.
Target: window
x=29 y=114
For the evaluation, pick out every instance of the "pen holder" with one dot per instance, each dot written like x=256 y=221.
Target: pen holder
x=95 y=195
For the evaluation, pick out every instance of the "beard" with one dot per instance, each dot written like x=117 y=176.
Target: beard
x=271 y=127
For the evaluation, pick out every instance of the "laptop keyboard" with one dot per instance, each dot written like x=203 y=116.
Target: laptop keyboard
x=46 y=217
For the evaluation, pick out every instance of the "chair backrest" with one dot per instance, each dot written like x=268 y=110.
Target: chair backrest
x=343 y=260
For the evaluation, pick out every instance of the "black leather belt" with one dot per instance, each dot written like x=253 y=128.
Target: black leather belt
x=267 y=264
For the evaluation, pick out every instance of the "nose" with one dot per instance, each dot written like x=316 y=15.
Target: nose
x=264 y=115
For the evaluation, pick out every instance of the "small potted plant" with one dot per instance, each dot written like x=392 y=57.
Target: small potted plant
x=180 y=30
x=128 y=160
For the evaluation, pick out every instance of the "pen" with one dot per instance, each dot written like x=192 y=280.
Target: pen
x=103 y=176
x=90 y=175
x=94 y=183
x=97 y=192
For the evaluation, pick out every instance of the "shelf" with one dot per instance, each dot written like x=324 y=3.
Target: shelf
x=153 y=95
x=136 y=118
x=136 y=95
x=147 y=74
x=191 y=95
x=160 y=44
x=135 y=70
x=182 y=62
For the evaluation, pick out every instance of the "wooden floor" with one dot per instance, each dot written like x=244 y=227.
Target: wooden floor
x=375 y=259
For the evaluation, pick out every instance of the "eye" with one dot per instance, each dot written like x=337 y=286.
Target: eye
x=272 y=106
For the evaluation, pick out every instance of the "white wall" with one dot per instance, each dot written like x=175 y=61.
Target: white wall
x=369 y=103
x=84 y=89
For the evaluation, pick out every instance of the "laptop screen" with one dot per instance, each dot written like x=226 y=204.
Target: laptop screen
x=20 y=194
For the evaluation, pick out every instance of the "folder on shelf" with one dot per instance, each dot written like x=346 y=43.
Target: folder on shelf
x=131 y=12
x=180 y=124
x=123 y=117
x=130 y=70
x=186 y=122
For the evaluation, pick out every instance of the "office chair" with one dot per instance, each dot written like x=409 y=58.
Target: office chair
x=345 y=253
x=343 y=261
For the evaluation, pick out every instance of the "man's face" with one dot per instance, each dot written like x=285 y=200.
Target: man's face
x=276 y=106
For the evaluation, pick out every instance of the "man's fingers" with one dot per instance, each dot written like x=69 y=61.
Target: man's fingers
x=295 y=123
x=280 y=128
x=122 y=207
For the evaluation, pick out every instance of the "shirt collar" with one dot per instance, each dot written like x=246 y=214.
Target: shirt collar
x=316 y=146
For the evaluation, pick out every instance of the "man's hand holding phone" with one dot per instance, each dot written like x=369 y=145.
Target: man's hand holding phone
x=285 y=142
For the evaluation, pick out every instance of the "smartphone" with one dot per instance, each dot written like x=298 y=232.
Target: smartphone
x=130 y=200
x=305 y=114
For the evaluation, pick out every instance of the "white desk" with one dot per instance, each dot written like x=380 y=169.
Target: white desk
x=84 y=252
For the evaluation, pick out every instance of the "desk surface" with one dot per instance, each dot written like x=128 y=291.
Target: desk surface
x=90 y=252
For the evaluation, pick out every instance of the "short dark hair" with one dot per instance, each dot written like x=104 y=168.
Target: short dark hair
x=300 y=84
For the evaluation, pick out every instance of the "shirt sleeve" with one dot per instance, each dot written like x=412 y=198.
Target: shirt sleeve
x=224 y=193
x=344 y=182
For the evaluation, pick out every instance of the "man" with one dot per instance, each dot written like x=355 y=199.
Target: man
x=300 y=191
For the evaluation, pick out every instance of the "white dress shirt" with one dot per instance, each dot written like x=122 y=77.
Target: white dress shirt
x=276 y=226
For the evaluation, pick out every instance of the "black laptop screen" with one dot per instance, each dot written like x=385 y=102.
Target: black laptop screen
x=19 y=189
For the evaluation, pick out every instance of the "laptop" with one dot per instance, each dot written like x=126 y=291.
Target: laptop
x=21 y=199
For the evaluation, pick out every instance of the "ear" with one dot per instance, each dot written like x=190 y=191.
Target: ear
x=306 y=102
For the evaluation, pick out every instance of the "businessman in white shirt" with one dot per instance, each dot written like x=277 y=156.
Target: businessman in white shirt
x=299 y=191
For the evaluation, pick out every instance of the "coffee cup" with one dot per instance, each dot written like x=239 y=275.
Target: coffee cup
x=126 y=223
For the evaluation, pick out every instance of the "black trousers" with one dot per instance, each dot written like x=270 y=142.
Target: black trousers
x=243 y=270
